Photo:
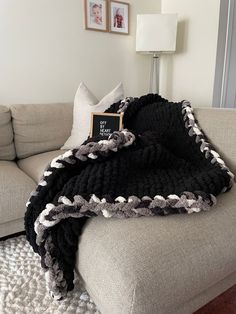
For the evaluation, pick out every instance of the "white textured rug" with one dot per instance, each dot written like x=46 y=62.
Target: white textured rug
x=22 y=284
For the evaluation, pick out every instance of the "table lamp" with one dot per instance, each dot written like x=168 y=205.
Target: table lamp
x=156 y=34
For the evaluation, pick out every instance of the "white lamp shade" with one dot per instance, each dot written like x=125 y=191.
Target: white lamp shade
x=156 y=32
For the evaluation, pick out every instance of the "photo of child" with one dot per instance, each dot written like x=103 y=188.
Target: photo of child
x=118 y=19
x=96 y=13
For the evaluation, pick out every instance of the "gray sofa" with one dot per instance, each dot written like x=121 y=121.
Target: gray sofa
x=30 y=136
x=152 y=265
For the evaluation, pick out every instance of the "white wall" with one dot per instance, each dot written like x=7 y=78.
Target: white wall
x=189 y=73
x=45 y=52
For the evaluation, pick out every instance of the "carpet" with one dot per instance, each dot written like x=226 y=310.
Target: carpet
x=22 y=284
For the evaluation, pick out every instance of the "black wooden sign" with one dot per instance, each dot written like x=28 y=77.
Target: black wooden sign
x=105 y=123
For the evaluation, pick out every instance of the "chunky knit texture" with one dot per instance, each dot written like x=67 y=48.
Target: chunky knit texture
x=160 y=164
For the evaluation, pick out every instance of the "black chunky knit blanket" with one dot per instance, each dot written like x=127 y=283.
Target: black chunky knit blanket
x=161 y=163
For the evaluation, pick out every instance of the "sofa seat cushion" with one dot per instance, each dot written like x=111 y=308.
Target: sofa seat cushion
x=157 y=264
x=15 y=188
x=35 y=165
x=7 y=148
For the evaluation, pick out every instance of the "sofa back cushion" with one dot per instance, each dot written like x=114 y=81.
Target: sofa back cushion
x=40 y=128
x=7 y=148
x=220 y=127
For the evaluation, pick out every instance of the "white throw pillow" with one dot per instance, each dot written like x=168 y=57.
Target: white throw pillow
x=85 y=103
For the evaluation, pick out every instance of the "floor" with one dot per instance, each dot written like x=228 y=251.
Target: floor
x=223 y=304
x=23 y=287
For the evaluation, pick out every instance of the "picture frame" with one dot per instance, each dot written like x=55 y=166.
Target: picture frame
x=119 y=17
x=103 y=123
x=96 y=15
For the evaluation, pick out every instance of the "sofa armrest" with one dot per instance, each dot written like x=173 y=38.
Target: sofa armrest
x=219 y=125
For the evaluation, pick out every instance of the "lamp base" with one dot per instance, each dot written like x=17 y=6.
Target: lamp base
x=154 y=75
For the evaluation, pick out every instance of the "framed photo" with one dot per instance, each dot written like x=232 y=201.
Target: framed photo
x=105 y=124
x=119 y=17
x=96 y=15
